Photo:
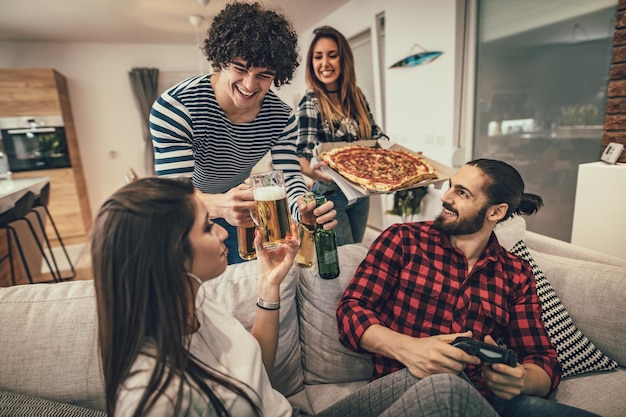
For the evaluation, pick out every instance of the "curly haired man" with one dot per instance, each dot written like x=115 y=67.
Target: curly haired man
x=216 y=127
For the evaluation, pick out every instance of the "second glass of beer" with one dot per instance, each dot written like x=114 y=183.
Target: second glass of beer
x=245 y=239
x=274 y=220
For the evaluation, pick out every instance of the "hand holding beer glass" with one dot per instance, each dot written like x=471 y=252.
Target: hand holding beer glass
x=274 y=220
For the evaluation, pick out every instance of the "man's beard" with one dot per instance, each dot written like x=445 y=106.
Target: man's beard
x=461 y=226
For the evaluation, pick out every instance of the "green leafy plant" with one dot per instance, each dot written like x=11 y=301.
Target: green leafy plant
x=49 y=145
x=585 y=115
x=407 y=203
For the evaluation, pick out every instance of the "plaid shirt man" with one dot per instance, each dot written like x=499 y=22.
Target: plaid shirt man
x=415 y=282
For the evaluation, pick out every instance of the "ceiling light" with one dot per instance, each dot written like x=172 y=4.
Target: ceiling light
x=196 y=20
x=419 y=58
x=203 y=2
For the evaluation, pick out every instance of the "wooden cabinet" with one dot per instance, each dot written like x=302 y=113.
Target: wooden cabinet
x=42 y=92
x=29 y=92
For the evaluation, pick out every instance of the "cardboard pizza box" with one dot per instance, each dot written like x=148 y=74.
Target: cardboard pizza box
x=354 y=191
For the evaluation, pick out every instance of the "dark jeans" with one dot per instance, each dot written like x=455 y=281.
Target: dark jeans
x=231 y=242
x=351 y=219
x=529 y=406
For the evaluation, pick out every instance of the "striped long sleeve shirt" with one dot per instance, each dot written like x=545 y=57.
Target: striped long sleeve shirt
x=193 y=137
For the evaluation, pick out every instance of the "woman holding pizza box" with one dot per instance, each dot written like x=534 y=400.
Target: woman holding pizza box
x=334 y=110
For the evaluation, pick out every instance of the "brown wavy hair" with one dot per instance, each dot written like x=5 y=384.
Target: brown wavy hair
x=139 y=247
x=263 y=37
x=351 y=99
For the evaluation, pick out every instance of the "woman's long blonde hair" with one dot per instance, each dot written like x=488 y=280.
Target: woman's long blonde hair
x=351 y=99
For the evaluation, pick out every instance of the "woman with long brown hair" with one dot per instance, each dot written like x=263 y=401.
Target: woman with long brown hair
x=152 y=246
x=334 y=109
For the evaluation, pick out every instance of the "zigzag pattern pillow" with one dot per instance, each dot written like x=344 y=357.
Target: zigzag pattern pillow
x=576 y=353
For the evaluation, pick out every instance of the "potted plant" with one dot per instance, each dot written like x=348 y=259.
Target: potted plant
x=407 y=203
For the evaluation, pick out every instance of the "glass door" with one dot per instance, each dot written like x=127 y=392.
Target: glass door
x=540 y=95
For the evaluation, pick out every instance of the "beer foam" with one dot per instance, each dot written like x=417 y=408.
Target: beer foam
x=270 y=193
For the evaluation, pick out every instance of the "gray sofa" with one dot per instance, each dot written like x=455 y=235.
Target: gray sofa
x=49 y=355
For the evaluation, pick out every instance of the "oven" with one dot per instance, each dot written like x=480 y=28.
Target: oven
x=36 y=142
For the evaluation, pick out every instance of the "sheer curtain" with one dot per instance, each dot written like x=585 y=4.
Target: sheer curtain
x=144 y=82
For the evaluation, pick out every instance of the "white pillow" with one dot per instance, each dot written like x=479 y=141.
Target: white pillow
x=236 y=290
x=510 y=231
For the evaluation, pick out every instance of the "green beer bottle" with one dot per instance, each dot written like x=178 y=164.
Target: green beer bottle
x=306 y=234
x=326 y=248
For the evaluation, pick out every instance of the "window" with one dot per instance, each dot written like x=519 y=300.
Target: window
x=540 y=95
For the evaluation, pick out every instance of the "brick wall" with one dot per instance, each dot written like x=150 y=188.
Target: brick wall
x=615 y=119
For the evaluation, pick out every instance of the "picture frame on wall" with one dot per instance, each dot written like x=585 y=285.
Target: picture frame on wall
x=612 y=153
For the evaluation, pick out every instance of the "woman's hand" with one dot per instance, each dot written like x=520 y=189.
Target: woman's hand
x=273 y=268
x=274 y=264
x=314 y=171
x=319 y=175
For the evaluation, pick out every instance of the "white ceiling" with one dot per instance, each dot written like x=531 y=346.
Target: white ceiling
x=132 y=21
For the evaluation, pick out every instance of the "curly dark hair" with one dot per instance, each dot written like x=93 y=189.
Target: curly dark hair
x=260 y=36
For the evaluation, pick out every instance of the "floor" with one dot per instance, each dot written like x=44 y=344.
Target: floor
x=79 y=256
x=370 y=234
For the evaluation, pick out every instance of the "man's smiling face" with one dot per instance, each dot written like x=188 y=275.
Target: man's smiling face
x=247 y=86
x=464 y=203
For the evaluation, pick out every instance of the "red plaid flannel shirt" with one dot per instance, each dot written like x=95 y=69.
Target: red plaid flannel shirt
x=415 y=282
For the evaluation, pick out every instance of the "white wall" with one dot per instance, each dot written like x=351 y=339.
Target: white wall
x=419 y=100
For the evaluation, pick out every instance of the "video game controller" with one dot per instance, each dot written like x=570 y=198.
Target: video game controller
x=486 y=353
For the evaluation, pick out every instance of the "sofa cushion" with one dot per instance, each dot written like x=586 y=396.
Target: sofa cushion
x=576 y=352
x=236 y=290
x=19 y=405
x=601 y=392
x=48 y=347
x=325 y=359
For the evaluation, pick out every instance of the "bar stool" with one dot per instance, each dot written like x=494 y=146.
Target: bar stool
x=17 y=213
x=42 y=201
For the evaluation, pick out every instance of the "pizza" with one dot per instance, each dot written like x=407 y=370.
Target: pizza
x=378 y=169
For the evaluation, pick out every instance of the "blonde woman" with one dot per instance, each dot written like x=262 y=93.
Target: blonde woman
x=334 y=109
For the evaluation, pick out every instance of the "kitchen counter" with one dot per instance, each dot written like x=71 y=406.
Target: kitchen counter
x=12 y=189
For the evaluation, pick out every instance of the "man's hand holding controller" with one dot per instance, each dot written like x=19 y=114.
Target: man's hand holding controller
x=486 y=352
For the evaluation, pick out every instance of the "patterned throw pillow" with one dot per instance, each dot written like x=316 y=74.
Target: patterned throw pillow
x=576 y=353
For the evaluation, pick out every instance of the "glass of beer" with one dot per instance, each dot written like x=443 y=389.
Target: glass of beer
x=245 y=239
x=274 y=220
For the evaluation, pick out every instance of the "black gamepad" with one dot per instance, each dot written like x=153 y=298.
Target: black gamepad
x=486 y=353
